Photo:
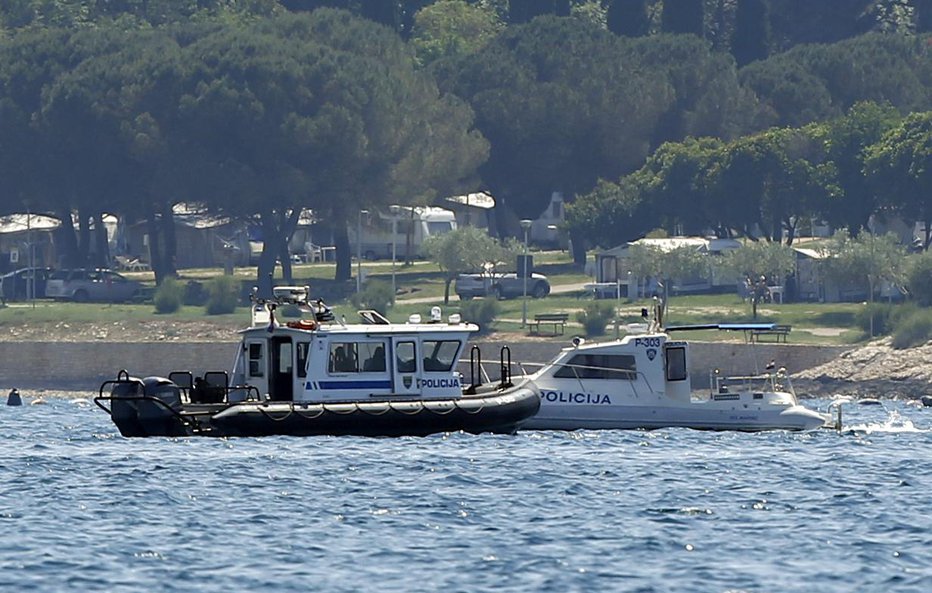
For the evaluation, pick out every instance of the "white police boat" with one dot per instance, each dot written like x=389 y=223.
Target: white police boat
x=320 y=376
x=643 y=381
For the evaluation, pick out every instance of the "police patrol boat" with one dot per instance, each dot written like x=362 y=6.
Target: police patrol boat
x=320 y=376
x=643 y=381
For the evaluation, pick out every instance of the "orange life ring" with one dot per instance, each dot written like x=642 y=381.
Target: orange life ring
x=307 y=324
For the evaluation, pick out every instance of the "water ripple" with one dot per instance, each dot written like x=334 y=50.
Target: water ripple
x=83 y=509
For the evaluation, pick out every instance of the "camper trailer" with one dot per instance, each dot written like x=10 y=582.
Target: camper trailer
x=373 y=236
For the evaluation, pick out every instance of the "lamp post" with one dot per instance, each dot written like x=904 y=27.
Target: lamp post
x=394 y=209
x=359 y=250
x=526 y=225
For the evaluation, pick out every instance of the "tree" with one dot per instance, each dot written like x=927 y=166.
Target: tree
x=674 y=182
x=815 y=82
x=682 y=16
x=452 y=29
x=846 y=138
x=900 y=169
x=707 y=97
x=667 y=265
x=628 y=18
x=563 y=103
x=466 y=249
x=611 y=214
x=761 y=258
x=751 y=39
x=782 y=176
x=865 y=260
x=322 y=111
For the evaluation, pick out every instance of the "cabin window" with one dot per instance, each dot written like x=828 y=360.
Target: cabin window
x=405 y=357
x=676 y=364
x=372 y=355
x=599 y=366
x=439 y=355
x=255 y=360
x=302 y=349
x=284 y=358
x=355 y=357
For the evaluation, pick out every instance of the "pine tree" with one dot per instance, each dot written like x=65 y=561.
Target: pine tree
x=751 y=39
x=628 y=18
x=682 y=16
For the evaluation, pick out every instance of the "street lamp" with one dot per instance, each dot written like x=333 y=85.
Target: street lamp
x=394 y=209
x=526 y=225
x=359 y=249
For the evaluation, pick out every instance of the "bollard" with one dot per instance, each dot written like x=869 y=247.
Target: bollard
x=14 y=399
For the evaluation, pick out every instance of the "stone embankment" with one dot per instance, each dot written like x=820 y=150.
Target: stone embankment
x=83 y=365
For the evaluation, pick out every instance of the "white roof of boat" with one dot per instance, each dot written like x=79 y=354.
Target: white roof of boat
x=375 y=328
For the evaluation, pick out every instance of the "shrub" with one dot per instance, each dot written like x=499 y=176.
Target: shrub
x=169 y=296
x=375 y=295
x=480 y=311
x=222 y=295
x=913 y=330
x=919 y=279
x=883 y=314
x=594 y=317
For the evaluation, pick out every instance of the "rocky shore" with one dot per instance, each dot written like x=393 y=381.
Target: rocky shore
x=873 y=370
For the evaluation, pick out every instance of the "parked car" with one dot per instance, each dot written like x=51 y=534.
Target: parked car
x=18 y=285
x=83 y=285
x=501 y=286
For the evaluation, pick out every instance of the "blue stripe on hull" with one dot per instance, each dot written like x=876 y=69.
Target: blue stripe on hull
x=354 y=385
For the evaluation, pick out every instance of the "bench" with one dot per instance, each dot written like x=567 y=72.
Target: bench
x=557 y=320
x=779 y=333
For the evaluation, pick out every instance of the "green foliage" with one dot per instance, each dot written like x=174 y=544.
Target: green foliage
x=913 y=330
x=814 y=82
x=756 y=259
x=376 y=295
x=223 y=295
x=453 y=29
x=169 y=296
x=594 y=317
x=669 y=265
x=481 y=312
x=865 y=260
x=900 y=168
x=919 y=278
x=880 y=318
x=468 y=249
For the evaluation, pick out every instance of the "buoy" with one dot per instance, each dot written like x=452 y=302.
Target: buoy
x=14 y=399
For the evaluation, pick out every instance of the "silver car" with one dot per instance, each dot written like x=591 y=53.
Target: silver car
x=84 y=285
x=501 y=286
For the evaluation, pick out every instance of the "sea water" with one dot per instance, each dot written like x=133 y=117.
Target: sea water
x=84 y=509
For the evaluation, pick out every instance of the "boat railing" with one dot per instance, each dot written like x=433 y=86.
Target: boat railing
x=777 y=381
x=478 y=372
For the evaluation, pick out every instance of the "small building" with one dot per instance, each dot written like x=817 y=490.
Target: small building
x=27 y=240
x=475 y=209
x=614 y=277
x=202 y=240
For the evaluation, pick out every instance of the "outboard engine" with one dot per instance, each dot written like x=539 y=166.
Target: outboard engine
x=136 y=412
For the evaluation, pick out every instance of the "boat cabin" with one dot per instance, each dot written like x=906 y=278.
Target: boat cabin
x=647 y=365
x=320 y=359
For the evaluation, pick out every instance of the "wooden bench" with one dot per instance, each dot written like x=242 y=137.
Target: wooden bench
x=779 y=333
x=557 y=320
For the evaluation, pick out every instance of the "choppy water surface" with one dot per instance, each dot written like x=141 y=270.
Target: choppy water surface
x=83 y=509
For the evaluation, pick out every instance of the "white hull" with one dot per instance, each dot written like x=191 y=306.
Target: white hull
x=643 y=381
x=696 y=415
